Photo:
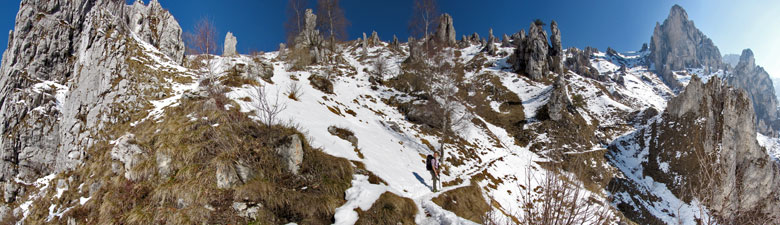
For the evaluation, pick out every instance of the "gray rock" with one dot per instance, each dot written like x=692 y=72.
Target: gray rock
x=759 y=87
x=395 y=44
x=230 y=45
x=579 y=63
x=156 y=26
x=226 y=176
x=164 y=167
x=245 y=172
x=129 y=154
x=83 y=48
x=374 y=39
x=677 y=45
x=490 y=47
x=559 y=102
x=445 y=34
x=505 y=41
x=310 y=38
x=10 y=190
x=292 y=153
x=531 y=56
x=415 y=50
x=556 y=49
x=749 y=179
x=365 y=44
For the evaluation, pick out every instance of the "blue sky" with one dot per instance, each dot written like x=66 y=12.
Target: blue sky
x=622 y=25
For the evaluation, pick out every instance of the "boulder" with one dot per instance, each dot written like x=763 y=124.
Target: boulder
x=230 y=45
x=291 y=152
x=321 y=83
x=128 y=154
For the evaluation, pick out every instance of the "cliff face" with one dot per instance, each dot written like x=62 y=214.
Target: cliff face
x=704 y=146
x=70 y=69
x=677 y=44
x=758 y=85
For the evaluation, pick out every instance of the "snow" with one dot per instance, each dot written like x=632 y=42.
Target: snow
x=60 y=91
x=628 y=158
x=361 y=195
x=772 y=145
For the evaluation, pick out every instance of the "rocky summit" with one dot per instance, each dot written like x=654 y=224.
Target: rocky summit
x=677 y=44
x=106 y=120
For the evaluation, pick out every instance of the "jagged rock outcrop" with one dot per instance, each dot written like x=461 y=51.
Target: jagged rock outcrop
x=229 y=49
x=445 y=33
x=705 y=145
x=415 y=51
x=310 y=39
x=758 y=85
x=559 y=102
x=505 y=41
x=374 y=39
x=534 y=56
x=62 y=78
x=677 y=44
x=556 y=49
x=579 y=63
x=490 y=48
x=156 y=26
x=395 y=44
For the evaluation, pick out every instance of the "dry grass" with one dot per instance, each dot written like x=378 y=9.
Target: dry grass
x=197 y=149
x=389 y=209
x=235 y=79
x=466 y=202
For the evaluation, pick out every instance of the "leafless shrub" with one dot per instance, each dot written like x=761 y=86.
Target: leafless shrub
x=294 y=91
x=267 y=109
x=556 y=199
x=381 y=68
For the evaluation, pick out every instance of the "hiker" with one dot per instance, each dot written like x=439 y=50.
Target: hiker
x=432 y=164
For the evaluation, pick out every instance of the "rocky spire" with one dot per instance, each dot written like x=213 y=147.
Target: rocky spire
x=230 y=45
x=718 y=120
x=445 y=34
x=758 y=85
x=677 y=44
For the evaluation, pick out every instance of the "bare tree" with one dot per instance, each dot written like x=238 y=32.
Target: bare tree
x=558 y=199
x=381 y=68
x=423 y=18
x=295 y=20
x=452 y=116
x=203 y=40
x=331 y=20
x=267 y=109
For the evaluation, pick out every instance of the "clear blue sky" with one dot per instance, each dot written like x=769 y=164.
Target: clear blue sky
x=622 y=25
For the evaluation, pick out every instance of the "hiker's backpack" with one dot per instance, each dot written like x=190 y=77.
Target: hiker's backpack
x=429 y=162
